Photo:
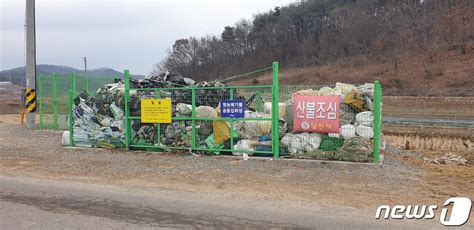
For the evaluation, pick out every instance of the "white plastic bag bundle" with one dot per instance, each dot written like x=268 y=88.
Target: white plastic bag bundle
x=267 y=108
x=206 y=112
x=242 y=145
x=184 y=109
x=303 y=142
x=312 y=141
x=347 y=131
x=365 y=131
x=65 y=138
x=365 y=118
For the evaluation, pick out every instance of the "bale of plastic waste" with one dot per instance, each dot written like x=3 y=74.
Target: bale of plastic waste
x=357 y=149
x=254 y=129
x=65 y=138
x=365 y=131
x=206 y=112
x=242 y=145
x=365 y=118
x=347 y=115
x=267 y=106
x=301 y=142
x=347 y=131
x=366 y=91
x=205 y=127
x=184 y=109
x=330 y=143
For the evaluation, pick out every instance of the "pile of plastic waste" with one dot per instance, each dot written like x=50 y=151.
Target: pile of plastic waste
x=98 y=121
x=353 y=142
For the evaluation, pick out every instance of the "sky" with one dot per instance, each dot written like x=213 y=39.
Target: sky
x=132 y=34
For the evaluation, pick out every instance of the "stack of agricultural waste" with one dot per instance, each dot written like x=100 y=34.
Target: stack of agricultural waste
x=354 y=140
x=98 y=121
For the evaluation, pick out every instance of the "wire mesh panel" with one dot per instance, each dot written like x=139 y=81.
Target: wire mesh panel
x=46 y=111
x=61 y=87
x=330 y=122
x=337 y=122
x=197 y=124
x=351 y=138
x=54 y=91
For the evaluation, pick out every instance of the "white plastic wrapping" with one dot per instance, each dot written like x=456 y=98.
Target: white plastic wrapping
x=365 y=119
x=365 y=131
x=347 y=131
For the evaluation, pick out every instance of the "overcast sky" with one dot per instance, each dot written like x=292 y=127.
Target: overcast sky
x=116 y=34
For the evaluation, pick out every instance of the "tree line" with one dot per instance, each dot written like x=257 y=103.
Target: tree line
x=314 y=32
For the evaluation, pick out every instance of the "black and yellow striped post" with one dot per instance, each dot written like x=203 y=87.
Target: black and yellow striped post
x=30 y=100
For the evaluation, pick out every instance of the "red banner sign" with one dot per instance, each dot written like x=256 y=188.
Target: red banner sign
x=316 y=114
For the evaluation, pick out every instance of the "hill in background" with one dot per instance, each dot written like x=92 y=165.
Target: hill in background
x=17 y=75
x=414 y=47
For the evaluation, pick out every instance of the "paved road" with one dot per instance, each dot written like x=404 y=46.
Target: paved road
x=27 y=203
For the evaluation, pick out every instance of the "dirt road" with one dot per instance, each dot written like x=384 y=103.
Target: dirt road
x=403 y=178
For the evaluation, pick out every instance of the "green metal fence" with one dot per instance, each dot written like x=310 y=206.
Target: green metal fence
x=196 y=131
x=199 y=136
x=54 y=92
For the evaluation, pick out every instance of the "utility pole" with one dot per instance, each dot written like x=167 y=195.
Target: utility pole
x=85 y=67
x=30 y=63
x=85 y=82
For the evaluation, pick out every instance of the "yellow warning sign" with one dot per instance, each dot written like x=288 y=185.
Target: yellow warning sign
x=30 y=100
x=156 y=111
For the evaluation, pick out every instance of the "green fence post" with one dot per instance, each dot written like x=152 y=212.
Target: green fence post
x=73 y=84
x=377 y=119
x=232 y=97
x=158 y=126
x=55 y=102
x=275 y=113
x=193 y=115
x=70 y=121
x=127 y=112
x=40 y=96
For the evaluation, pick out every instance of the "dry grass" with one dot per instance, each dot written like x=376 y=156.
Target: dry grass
x=409 y=79
x=417 y=142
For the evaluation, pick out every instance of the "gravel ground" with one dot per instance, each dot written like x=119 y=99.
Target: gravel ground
x=403 y=178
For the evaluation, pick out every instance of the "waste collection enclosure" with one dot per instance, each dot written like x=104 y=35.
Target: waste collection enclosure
x=171 y=113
